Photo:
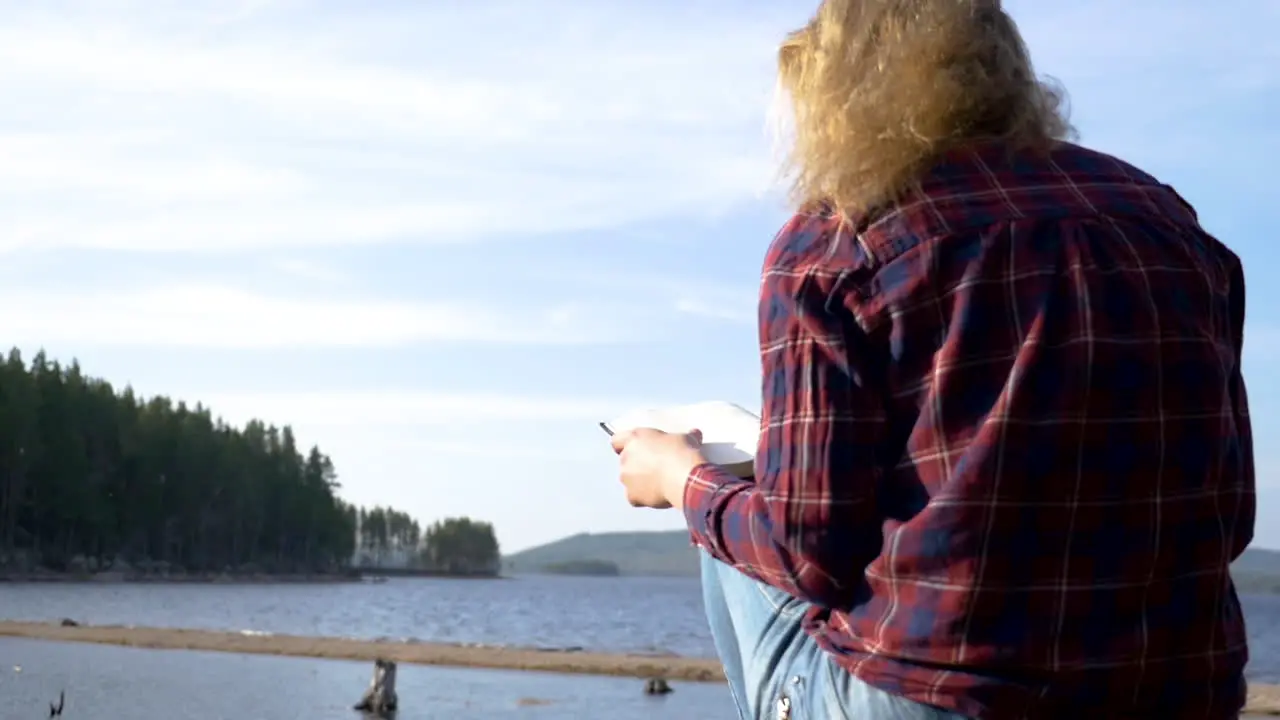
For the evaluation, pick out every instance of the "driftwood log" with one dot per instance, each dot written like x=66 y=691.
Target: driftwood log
x=380 y=699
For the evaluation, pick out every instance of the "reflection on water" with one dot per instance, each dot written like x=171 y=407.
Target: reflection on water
x=112 y=683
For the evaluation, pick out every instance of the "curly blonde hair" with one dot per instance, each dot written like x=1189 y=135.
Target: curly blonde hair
x=881 y=89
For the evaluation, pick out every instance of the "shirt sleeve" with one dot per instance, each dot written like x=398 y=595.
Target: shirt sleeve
x=807 y=524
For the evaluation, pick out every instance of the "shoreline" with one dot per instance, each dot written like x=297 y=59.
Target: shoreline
x=110 y=578
x=411 y=653
x=118 y=577
x=1263 y=699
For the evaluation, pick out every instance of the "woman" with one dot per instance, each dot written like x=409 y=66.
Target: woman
x=1005 y=456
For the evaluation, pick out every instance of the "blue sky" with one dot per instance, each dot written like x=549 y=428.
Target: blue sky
x=442 y=239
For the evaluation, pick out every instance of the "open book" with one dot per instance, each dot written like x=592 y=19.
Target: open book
x=729 y=433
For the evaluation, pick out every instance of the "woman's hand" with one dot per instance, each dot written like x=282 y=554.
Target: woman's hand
x=655 y=465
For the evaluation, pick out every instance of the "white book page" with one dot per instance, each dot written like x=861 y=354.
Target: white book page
x=730 y=433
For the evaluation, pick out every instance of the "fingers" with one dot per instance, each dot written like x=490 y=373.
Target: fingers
x=620 y=440
x=641 y=502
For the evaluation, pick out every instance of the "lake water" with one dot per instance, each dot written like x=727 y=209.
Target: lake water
x=651 y=615
x=647 y=615
x=113 y=683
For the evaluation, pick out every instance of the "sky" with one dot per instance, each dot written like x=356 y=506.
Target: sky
x=443 y=239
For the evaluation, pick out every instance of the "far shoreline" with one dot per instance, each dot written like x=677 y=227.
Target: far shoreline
x=1263 y=699
x=126 y=579
x=118 y=577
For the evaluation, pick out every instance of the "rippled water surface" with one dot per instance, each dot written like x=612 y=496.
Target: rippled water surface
x=655 y=615
x=616 y=614
x=111 y=683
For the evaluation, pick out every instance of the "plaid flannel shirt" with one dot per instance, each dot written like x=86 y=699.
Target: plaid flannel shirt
x=1005 y=447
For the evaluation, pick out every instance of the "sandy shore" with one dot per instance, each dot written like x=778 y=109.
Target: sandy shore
x=589 y=663
x=1263 y=699
x=179 y=578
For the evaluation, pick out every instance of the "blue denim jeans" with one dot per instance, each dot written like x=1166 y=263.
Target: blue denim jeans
x=775 y=670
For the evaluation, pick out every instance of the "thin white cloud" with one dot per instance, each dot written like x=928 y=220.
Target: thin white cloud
x=503 y=449
x=312 y=271
x=282 y=125
x=729 y=303
x=738 y=313
x=120 y=165
x=227 y=317
x=409 y=407
x=217 y=126
x=683 y=293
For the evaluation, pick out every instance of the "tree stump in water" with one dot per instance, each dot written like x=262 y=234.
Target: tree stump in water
x=380 y=699
x=656 y=686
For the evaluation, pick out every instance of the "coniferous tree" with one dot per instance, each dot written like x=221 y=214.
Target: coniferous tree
x=92 y=475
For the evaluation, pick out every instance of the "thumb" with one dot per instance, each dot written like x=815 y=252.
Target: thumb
x=695 y=435
x=619 y=440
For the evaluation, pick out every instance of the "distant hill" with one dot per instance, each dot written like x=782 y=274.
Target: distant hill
x=598 y=568
x=1257 y=571
x=1258 y=561
x=634 y=553
x=669 y=554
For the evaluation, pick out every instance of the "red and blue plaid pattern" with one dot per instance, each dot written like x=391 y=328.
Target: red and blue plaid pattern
x=1005 y=447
